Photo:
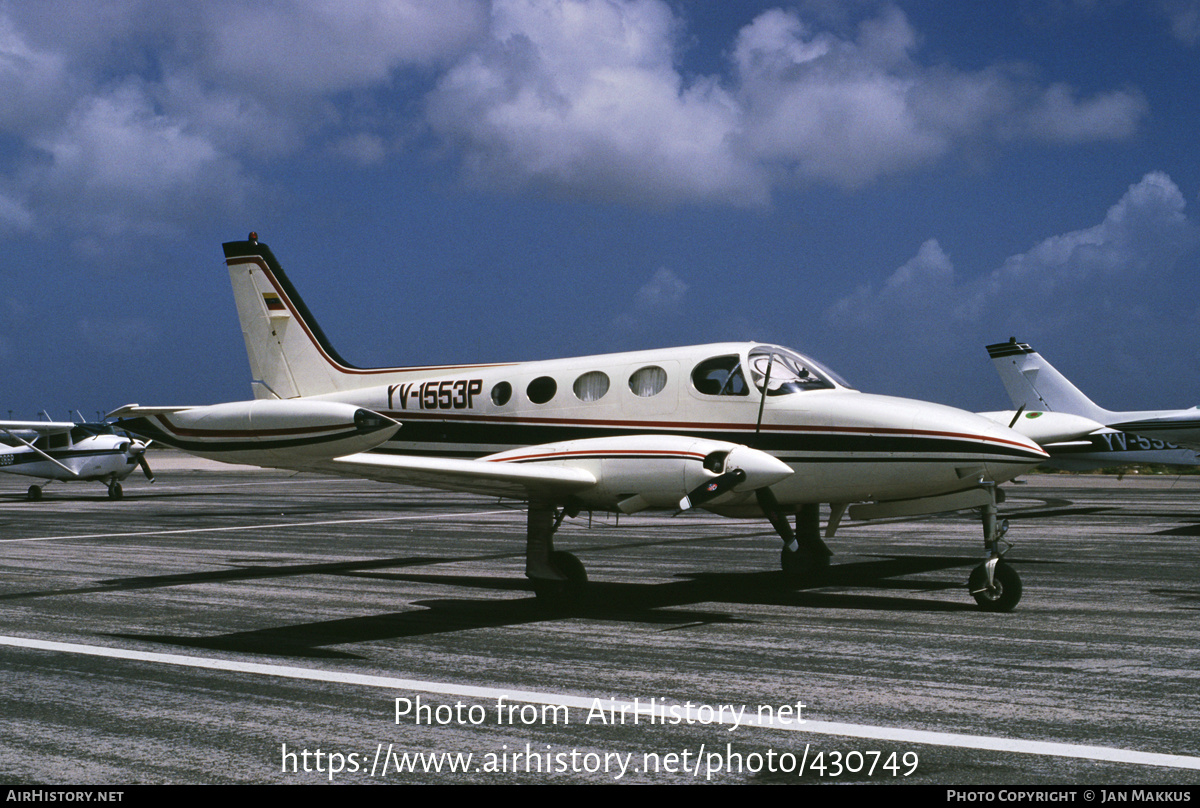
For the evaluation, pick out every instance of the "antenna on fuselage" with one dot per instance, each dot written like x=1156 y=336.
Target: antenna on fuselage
x=762 y=402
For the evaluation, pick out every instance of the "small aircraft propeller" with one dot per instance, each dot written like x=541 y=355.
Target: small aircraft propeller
x=145 y=467
x=747 y=468
x=712 y=489
x=776 y=516
x=138 y=449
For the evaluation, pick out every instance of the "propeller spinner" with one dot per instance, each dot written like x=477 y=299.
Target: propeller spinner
x=746 y=469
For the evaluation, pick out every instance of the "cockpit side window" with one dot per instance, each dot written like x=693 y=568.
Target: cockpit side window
x=58 y=440
x=720 y=376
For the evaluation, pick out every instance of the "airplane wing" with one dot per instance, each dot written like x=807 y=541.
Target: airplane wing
x=470 y=476
x=41 y=427
x=629 y=473
x=12 y=428
x=626 y=472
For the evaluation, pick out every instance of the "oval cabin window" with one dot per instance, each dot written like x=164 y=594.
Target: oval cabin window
x=541 y=389
x=501 y=393
x=648 y=381
x=591 y=386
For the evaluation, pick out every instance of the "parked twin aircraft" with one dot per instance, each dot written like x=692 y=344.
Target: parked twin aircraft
x=742 y=429
x=70 y=452
x=1169 y=437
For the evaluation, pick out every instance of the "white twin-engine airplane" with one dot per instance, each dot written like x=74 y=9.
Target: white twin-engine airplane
x=740 y=429
x=68 y=451
x=1148 y=436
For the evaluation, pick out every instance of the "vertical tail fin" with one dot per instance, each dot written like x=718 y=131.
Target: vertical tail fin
x=1033 y=382
x=289 y=355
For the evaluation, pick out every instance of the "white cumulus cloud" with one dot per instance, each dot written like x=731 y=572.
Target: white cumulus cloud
x=584 y=96
x=659 y=298
x=131 y=107
x=1116 y=272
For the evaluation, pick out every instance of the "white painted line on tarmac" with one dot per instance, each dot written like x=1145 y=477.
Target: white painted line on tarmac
x=467 y=514
x=658 y=710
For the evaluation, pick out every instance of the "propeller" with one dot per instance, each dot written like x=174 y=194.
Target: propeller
x=775 y=515
x=712 y=489
x=138 y=449
x=748 y=468
x=145 y=467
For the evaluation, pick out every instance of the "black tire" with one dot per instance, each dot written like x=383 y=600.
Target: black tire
x=1005 y=593
x=801 y=565
x=34 y=493
x=115 y=492
x=558 y=594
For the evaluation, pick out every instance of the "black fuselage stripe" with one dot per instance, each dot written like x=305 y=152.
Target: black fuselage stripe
x=425 y=437
x=23 y=458
x=149 y=429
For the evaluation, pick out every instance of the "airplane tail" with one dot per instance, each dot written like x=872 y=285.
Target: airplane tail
x=1033 y=383
x=290 y=356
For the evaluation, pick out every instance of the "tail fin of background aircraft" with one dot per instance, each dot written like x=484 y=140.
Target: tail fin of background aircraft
x=1033 y=382
x=289 y=354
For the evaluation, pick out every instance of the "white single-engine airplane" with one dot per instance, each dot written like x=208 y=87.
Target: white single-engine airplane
x=740 y=429
x=69 y=451
x=1169 y=437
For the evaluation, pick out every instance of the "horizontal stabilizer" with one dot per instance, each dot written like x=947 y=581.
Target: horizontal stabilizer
x=293 y=434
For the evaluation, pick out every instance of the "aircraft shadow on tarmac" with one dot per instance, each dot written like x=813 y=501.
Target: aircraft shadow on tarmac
x=646 y=603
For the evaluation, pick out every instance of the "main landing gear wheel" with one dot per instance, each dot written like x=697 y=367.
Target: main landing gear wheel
x=566 y=592
x=800 y=565
x=1004 y=592
x=115 y=492
x=558 y=578
x=804 y=556
x=34 y=493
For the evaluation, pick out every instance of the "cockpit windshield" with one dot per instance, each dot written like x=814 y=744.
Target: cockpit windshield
x=788 y=372
x=91 y=430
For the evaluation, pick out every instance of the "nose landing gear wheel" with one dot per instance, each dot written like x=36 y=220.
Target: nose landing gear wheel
x=1004 y=593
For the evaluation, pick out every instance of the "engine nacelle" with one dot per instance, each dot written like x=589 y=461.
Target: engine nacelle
x=291 y=433
x=635 y=472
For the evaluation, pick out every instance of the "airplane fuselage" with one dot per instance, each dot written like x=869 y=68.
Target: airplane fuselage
x=843 y=445
x=738 y=428
x=102 y=457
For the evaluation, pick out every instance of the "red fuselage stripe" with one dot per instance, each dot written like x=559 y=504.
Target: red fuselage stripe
x=402 y=415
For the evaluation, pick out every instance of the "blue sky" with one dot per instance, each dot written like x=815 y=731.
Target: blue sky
x=887 y=186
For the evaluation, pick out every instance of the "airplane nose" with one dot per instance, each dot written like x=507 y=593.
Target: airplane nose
x=974 y=433
x=979 y=446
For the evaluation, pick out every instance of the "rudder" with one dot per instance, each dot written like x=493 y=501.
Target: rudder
x=1035 y=384
x=289 y=355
